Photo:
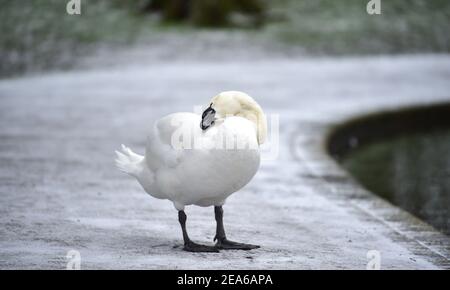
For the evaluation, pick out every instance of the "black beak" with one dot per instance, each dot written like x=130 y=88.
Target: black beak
x=208 y=118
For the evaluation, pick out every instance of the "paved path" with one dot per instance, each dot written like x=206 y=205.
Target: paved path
x=60 y=191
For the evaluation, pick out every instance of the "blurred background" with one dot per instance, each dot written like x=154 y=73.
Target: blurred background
x=74 y=87
x=38 y=34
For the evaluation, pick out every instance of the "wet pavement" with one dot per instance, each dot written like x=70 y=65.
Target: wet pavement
x=60 y=191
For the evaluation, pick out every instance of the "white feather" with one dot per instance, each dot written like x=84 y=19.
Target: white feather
x=193 y=170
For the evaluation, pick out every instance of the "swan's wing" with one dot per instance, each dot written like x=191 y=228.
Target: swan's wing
x=163 y=149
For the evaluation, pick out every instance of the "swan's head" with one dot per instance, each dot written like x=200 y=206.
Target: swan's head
x=233 y=103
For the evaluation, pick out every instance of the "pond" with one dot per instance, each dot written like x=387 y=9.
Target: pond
x=404 y=158
x=412 y=172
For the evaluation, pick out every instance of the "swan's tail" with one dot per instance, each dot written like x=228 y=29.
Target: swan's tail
x=129 y=162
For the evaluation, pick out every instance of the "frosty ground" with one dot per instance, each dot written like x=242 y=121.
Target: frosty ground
x=59 y=190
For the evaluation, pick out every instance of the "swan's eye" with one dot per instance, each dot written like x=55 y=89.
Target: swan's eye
x=208 y=118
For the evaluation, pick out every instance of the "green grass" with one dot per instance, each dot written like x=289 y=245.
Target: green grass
x=38 y=34
x=344 y=27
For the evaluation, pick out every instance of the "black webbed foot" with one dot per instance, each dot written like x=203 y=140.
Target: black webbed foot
x=197 y=248
x=225 y=244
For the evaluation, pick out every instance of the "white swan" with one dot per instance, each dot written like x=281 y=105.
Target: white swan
x=201 y=160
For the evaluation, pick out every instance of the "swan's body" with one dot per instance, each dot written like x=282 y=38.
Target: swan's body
x=199 y=176
x=191 y=163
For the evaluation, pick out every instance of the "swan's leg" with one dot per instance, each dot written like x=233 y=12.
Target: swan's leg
x=189 y=245
x=222 y=241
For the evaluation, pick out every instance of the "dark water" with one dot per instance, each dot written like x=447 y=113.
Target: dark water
x=411 y=171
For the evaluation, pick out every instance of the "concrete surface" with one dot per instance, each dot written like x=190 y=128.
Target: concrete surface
x=59 y=190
